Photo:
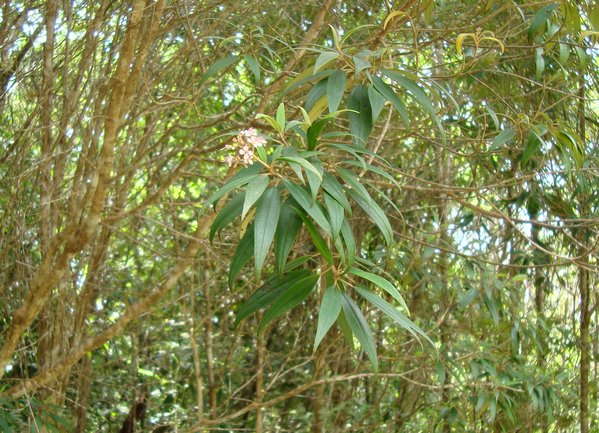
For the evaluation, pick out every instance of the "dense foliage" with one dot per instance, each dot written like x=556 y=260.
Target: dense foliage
x=322 y=216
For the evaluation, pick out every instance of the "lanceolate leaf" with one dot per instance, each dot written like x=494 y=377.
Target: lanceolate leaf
x=316 y=94
x=218 y=66
x=418 y=94
x=381 y=282
x=294 y=295
x=376 y=214
x=360 y=118
x=268 y=292
x=390 y=96
x=350 y=242
x=377 y=102
x=243 y=253
x=336 y=214
x=265 y=225
x=360 y=329
x=254 y=66
x=254 y=190
x=332 y=186
x=244 y=176
x=317 y=239
x=304 y=163
x=227 y=215
x=352 y=180
x=330 y=307
x=324 y=58
x=302 y=197
x=287 y=230
x=393 y=313
x=335 y=89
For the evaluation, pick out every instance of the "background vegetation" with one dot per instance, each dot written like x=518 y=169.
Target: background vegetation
x=117 y=312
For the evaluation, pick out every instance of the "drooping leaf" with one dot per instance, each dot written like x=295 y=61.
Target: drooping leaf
x=268 y=292
x=377 y=102
x=303 y=198
x=335 y=90
x=390 y=96
x=360 y=64
x=332 y=186
x=294 y=295
x=280 y=116
x=360 y=118
x=359 y=326
x=242 y=177
x=354 y=183
x=253 y=191
x=350 y=242
x=504 y=137
x=287 y=230
x=243 y=254
x=336 y=214
x=330 y=307
x=218 y=66
x=302 y=162
x=393 y=313
x=254 y=66
x=540 y=20
x=317 y=239
x=325 y=58
x=376 y=214
x=265 y=225
x=315 y=179
x=381 y=282
x=315 y=94
x=227 y=214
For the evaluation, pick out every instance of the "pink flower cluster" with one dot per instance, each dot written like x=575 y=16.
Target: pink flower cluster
x=244 y=145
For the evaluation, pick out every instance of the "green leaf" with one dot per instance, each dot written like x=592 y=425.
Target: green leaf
x=314 y=131
x=307 y=165
x=287 y=230
x=315 y=94
x=305 y=77
x=242 y=177
x=354 y=183
x=350 y=242
x=377 y=102
x=254 y=66
x=335 y=90
x=360 y=329
x=243 y=254
x=360 y=118
x=293 y=296
x=317 y=239
x=315 y=179
x=505 y=136
x=345 y=329
x=360 y=64
x=390 y=96
x=534 y=143
x=330 y=307
x=381 y=282
x=417 y=94
x=304 y=199
x=540 y=20
x=253 y=191
x=227 y=215
x=393 y=313
x=265 y=225
x=280 y=116
x=218 y=66
x=336 y=214
x=325 y=58
x=376 y=214
x=268 y=292
x=332 y=186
